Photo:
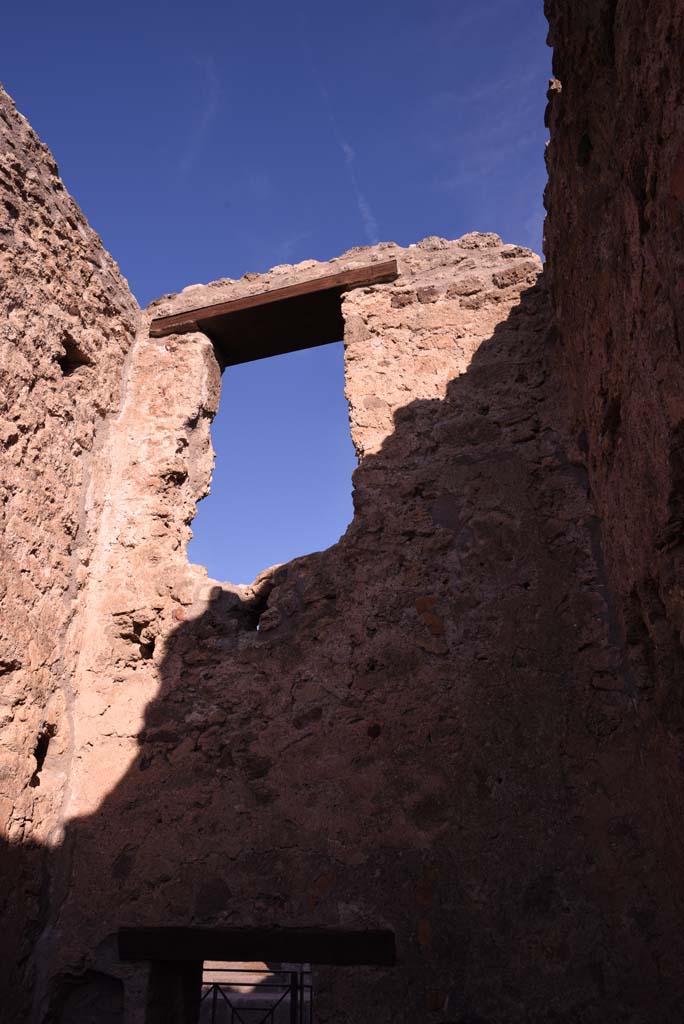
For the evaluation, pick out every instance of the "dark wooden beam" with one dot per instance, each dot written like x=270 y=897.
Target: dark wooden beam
x=372 y=273
x=270 y=945
x=281 y=320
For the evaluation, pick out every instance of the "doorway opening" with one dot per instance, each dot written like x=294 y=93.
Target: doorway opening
x=281 y=487
x=256 y=993
x=188 y=962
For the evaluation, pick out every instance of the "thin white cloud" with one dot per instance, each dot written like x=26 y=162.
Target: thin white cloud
x=349 y=153
x=207 y=114
x=370 y=224
x=366 y=215
x=287 y=248
x=489 y=91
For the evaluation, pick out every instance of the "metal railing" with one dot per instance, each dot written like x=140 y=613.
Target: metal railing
x=280 y=995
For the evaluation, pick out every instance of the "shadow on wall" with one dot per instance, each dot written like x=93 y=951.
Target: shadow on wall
x=428 y=731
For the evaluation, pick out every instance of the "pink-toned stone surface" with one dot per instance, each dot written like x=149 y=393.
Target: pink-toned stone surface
x=615 y=249
x=407 y=739
x=61 y=295
x=442 y=724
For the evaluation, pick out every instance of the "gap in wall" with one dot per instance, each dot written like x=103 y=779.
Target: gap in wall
x=281 y=485
x=257 y=992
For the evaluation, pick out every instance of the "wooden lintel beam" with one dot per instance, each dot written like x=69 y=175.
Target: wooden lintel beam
x=192 y=319
x=296 y=945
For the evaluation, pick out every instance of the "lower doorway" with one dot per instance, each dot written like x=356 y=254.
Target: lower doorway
x=242 y=992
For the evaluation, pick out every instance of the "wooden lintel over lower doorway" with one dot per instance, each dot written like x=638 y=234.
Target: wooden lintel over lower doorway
x=269 y=945
x=280 y=320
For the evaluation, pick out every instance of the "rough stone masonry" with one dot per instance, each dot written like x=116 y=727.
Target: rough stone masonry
x=461 y=723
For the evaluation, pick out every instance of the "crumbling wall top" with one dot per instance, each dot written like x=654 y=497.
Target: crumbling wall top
x=413 y=260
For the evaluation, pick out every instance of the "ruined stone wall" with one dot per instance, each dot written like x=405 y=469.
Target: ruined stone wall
x=459 y=722
x=423 y=731
x=615 y=249
x=614 y=241
x=67 y=320
x=615 y=245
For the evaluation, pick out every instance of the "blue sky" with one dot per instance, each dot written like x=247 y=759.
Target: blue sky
x=204 y=140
